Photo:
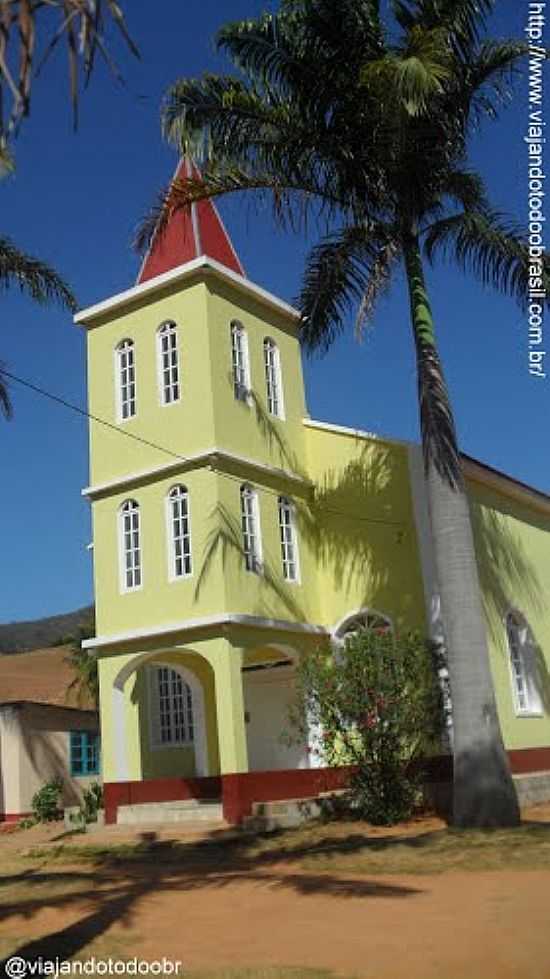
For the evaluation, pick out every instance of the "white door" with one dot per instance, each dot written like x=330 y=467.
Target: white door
x=267 y=696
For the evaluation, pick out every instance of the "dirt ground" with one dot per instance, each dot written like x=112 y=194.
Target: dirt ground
x=223 y=911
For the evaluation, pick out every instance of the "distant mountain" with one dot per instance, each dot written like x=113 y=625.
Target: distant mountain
x=19 y=637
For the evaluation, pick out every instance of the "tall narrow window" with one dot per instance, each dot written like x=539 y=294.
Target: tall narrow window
x=239 y=361
x=179 y=532
x=289 y=542
x=172 y=704
x=126 y=380
x=168 y=365
x=250 y=520
x=523 y=665
x=130 y=546
x=273 y=381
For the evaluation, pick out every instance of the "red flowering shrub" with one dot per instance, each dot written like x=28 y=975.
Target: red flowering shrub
x=373 y=702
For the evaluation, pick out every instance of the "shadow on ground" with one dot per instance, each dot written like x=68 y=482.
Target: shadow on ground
x=120 y=877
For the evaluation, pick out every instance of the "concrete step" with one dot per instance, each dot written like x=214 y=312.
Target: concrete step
x=178 y=811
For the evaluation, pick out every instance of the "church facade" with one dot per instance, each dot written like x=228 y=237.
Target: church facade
x=231 y=531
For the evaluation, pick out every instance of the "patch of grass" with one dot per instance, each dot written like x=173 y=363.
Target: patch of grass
x=348 y=848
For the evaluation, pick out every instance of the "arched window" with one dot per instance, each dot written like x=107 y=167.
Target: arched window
x=289 y=541
x=365 y=619
x=239 y=361
x=168 y=364
x=130 y=546
x=179 y=532
x=171 y=708
x=125 y=380
x=523 y=665
x=273 y=379
x=250 y=523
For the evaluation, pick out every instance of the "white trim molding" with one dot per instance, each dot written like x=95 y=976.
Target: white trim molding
x=207 y=457
x=88 y=316
x=206 y=622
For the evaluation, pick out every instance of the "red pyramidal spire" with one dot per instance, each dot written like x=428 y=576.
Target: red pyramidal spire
x=190 y=234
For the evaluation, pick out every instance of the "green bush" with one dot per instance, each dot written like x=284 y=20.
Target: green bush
x=46 y=802
x=92 y=801
x=375 y=703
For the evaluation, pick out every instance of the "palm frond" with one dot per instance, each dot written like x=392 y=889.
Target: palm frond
x=291 y=199
x=33 y=277
x=439 y=437
x=488 y=80
x=489 y=246
x=464 y=20
x=263 y=50
x=345 y=271
x=5 y=400
x=83 y=26
x=465 y=187
x=378 y=283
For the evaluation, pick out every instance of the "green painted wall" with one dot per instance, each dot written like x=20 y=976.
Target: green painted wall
x=513 y=551
x=184 y=427
x=361 y=533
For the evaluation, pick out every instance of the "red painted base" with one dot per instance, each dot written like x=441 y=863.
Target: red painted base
x=9 y=818
x=240 y=791
x=117 y=794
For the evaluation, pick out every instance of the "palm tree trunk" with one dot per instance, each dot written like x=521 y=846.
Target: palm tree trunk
x=483 y=790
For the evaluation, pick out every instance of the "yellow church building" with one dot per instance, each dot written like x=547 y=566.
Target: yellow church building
x=231 y=531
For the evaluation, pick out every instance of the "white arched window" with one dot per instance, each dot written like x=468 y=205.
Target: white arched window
x=125 y=380
x=289 y=540
x=130 y=546
x=250 y=523
x=364 y=619
x=168 y=364
x=273 y=379
x=172 y=721
x=179 y=532
x=523 y=665
x=240 y=362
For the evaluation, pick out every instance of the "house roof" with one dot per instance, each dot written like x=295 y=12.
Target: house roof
x=42 y=677
x=190 y=234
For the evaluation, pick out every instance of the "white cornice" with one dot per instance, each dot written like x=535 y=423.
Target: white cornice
x=474 y=470
x=355 y=432
x=205 y=264
x=206 y=622
x=480 y=473
x=206 y=457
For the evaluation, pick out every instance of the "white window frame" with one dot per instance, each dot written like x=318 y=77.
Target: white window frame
x=273 y=379
x=125 y=362
x=130 y=509
x=168 y=330
x=362 y=615
x=521 y=658
x=288 y=537
x=188 y=720
x=251 y=529
x=178 y=494
x=240 y=362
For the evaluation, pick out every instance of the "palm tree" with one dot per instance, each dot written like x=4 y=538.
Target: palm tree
x=366 y=124
x=82 y=25
x=37 y=280
x=85 y=683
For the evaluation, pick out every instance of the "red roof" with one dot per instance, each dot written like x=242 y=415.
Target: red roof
x=190 y=234
x=42 y=676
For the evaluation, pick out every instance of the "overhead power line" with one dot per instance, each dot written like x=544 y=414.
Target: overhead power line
x=161 y=448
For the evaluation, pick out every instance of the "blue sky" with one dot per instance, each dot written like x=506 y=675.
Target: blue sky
x=75 y=201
